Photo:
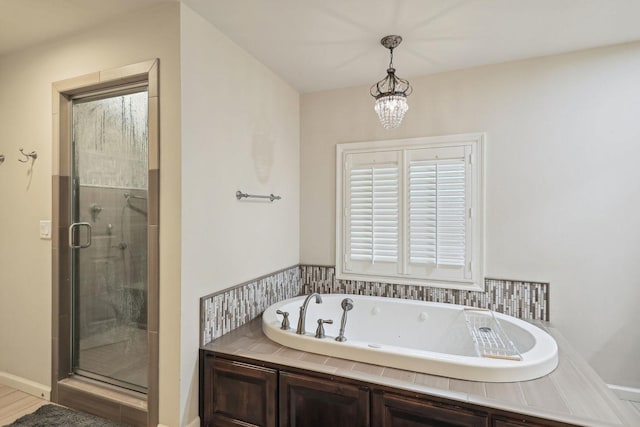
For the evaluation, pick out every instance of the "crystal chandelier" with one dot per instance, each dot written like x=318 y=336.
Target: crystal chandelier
x=391 y=92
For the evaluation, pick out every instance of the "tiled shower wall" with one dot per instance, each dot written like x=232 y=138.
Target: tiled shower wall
x=114 y=268
x=226 y=310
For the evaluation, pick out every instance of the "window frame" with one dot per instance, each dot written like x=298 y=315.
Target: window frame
x=475 y=142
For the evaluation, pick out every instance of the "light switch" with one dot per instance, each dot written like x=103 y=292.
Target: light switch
x=45 y=229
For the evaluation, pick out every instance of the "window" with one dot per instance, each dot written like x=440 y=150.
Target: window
x=410 y=211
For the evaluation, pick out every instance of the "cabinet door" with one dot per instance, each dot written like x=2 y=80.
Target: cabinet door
x=315 y=402
x=391 y=410
x=524 y=421
x=237 y=394
x=509 y=423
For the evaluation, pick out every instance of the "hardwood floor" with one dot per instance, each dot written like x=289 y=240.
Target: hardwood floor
x=15 y=403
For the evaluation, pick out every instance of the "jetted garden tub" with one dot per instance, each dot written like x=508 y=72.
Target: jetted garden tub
x=441 y=339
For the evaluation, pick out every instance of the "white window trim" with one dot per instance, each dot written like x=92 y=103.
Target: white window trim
x=477 y=141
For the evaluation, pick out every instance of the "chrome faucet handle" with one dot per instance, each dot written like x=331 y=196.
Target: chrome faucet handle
x=285 y=319
x=320 y=329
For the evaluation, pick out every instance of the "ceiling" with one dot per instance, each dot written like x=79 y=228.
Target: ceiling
x=327 y=44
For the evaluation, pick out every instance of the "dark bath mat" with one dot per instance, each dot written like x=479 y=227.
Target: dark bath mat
x=52 y=415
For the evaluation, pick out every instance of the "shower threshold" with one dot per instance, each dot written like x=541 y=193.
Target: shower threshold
x=108 y=381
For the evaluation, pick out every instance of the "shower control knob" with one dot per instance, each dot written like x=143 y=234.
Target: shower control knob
x=285 y=319
x=320 y=330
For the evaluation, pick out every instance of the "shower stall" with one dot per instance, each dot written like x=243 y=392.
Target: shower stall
x=108 y=237
x=105 y=278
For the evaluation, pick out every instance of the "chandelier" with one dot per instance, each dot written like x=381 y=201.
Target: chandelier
x=391 y=92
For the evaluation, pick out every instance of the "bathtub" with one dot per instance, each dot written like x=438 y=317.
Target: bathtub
x=433 y=338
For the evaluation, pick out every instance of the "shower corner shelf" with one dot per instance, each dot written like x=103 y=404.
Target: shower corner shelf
x=489 y=339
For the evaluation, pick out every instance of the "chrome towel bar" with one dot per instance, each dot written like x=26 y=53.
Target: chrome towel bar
x=240 y=195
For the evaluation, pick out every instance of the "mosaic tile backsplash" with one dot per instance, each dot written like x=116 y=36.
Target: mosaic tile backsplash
x=226 y=310
x=525 y=300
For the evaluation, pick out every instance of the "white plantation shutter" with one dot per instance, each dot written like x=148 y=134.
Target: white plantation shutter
x=373 y=214
x=410 y=211
x=437 y=206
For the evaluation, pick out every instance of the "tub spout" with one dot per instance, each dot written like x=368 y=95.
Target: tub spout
x=303 y=311
x=347 y=304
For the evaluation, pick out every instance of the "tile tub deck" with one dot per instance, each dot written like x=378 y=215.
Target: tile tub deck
x=573 y=393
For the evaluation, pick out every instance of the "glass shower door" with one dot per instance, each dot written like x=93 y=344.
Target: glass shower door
x=109 y=238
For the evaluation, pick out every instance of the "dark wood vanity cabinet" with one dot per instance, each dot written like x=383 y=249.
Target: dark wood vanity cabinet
x=316 y=402
x=393 y=410
x=238 y=394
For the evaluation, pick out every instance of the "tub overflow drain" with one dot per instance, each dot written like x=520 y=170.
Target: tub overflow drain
x=484 y=329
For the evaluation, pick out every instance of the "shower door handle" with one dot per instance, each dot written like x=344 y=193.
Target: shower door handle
x=72 y=235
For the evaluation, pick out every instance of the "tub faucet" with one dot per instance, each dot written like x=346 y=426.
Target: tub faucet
x=303 y=311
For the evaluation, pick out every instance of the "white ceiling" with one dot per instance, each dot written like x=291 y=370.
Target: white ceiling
x=326 y=44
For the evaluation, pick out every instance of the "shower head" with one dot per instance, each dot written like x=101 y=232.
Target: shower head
x=130 y=196
x=347 y=304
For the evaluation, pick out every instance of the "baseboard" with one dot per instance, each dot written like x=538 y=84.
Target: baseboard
x=31 y=387
x=625 y=393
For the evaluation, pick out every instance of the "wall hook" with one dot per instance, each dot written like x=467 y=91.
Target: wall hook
x=1 y=159
x=32 y=154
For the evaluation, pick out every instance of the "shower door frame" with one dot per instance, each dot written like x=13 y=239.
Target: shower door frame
x=63 y=93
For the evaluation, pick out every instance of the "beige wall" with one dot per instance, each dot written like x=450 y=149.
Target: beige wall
x=562 y=181
x=562 y=184
x=25 y=121
x=240 y=131
x=255 y=148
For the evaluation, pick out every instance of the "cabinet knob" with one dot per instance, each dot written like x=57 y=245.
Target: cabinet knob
x=320 y=330
x=285 y=319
